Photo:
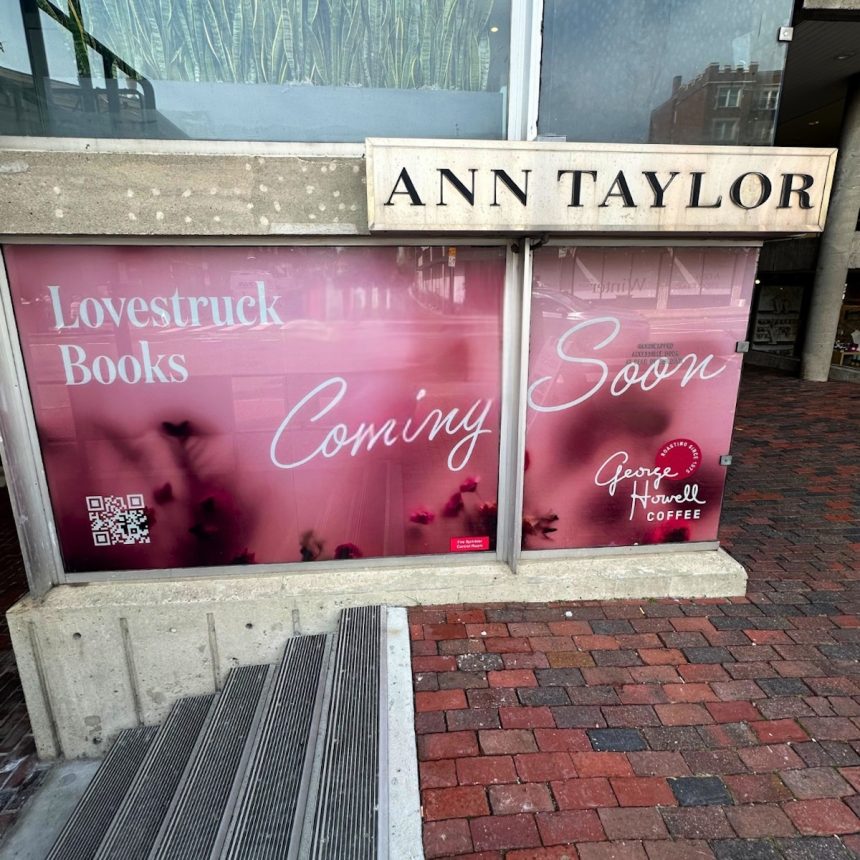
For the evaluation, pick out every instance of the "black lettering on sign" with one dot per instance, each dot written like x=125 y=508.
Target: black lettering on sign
x=409 y=185
x=802 y=193
x=468 y=194
x=765 y=187
x=520 y=193
x=576 y=184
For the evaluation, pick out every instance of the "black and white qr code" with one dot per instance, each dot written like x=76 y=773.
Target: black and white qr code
x=116 y=520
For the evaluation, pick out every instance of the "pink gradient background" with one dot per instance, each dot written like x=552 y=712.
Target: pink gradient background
x=389 y=320
x=697 y=300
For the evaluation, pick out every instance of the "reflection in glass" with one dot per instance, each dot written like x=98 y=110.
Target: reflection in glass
x=274 y=70
x=662 y=71
x=210 y=406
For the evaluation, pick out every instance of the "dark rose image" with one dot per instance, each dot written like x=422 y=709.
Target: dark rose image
x=453 y=506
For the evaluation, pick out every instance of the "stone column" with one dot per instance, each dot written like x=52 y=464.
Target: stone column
x=832 y=268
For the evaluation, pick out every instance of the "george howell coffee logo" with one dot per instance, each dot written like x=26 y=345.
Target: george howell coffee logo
x=682 y=456
x=653 y=488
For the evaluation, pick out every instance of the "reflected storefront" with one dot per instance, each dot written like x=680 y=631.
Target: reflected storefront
x=667 y=71
x=662 y=71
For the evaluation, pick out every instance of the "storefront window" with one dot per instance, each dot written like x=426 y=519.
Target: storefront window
x=661 y=71
x=633 y=375
x=777 y=312
x=212 y=406
x=846 y=349
x=328 y=70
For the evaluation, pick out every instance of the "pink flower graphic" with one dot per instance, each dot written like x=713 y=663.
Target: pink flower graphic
x=347 y=550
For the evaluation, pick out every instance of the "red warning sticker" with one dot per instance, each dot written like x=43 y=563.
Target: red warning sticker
x=470 y=544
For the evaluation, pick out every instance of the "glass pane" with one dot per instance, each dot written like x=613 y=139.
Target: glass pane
x=776 y=318
x=327 y=70
x=633 y=377
x=19 y=107
x=209 y=406
x=662 y=71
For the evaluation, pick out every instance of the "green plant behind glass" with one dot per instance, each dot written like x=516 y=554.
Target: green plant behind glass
x=407 y=44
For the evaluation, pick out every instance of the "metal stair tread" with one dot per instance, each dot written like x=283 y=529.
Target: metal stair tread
x=344 y=821
x=272 y=804
x=286 y=761
x=80 y=838
x=194 y=825
x=136 y=824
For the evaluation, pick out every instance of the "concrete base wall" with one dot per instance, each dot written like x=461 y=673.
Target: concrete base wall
x=98 y=658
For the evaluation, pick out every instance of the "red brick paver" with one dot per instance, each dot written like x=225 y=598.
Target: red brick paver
x=674 y=729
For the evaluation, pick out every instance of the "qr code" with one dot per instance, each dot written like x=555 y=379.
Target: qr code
x=116 y=520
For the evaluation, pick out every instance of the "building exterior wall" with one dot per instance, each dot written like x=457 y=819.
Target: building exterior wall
x=106 y=189
x=103 y=649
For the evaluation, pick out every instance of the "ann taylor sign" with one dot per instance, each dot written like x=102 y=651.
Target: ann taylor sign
x=466 y=186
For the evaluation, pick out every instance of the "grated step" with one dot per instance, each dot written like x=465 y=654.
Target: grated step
x=85 y=829
x=345 y=820
x=275 y=790
x=194 y=827
x=141 y=814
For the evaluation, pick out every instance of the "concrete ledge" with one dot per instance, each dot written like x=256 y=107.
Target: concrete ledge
x=46 y=813
x=91 y=190
x=98 y=658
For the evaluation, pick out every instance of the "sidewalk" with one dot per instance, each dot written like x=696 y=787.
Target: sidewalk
x=670 y=729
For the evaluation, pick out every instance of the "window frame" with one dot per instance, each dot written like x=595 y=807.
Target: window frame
x=642 y=549
x=768 y=98
x=731 y=124
x=525 y=17
x=728 y=90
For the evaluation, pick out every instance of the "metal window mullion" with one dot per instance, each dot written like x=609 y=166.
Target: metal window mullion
x=515 y=354
x=524 y=68
x=536 y=46
x=19 y=446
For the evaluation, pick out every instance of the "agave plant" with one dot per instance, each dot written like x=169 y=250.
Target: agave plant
x=438 y=44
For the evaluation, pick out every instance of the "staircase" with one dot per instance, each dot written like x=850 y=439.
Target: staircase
x=286 y=761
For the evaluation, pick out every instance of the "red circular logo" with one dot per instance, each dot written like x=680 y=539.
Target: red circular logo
x=682 y=456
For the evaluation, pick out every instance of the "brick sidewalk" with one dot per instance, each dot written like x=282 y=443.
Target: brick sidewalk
x=670 y=729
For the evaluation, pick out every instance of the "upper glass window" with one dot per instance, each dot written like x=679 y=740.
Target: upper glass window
x=661 y=71
x=304 y=70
